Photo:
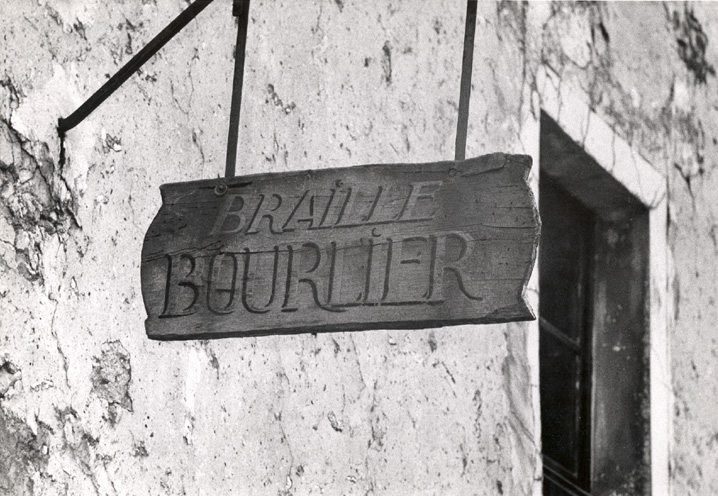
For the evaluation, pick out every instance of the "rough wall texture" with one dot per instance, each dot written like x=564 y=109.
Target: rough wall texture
x=89 y=405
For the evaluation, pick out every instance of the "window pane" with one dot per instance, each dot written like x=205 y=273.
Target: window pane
x=565 y=239
x=565 y=348
x=560 y=419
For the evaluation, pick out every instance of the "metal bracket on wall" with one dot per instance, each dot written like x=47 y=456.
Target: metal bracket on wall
x=133 y=65
x=240 y=9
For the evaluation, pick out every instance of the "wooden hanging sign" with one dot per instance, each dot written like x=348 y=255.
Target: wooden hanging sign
x=370 y=247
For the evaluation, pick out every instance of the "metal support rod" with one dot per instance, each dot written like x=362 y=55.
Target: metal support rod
x=462 y=124
x=241 y=11
x=64 y=125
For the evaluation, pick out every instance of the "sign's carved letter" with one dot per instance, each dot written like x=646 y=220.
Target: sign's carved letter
x=181 y=284
x=263 y=211
x=418 y=194
x=461 y=263
x=226 y=212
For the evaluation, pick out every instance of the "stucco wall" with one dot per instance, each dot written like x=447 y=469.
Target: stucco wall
x=89 y=404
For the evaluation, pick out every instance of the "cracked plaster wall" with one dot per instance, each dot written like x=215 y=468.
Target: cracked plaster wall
x=89 y=405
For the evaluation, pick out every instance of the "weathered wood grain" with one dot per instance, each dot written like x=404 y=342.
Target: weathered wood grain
x=367 y=247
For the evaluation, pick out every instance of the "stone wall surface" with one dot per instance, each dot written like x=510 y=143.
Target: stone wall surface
x=89 y=405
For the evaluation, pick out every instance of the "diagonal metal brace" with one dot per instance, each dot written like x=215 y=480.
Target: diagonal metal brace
x=66 y=124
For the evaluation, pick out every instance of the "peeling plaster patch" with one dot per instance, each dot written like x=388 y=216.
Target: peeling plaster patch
x=691 y=153
x=36 y=119
x=110 y=142
x=274 y=98
x=71 y=12
x=111 y=376
x=336 y=425
x=35 y=196
x=692 y=43
x=139 y=450
x=9 y=374
x=22 y=453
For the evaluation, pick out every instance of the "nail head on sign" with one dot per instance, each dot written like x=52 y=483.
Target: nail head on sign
x=220 y=189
